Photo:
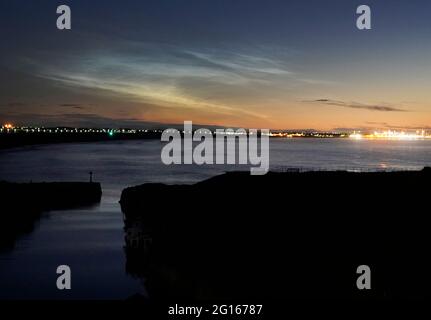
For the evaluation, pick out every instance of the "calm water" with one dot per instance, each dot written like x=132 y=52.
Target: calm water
x=91 y=241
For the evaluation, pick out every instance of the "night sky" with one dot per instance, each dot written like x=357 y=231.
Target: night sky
x=244 y=63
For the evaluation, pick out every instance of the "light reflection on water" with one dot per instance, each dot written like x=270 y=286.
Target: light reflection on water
x=89 y=241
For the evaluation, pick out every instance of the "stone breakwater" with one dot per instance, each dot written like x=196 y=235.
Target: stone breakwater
x=22 y=204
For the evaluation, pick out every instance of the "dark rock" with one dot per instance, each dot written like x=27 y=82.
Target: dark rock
x=23 y=203
x=282 y=235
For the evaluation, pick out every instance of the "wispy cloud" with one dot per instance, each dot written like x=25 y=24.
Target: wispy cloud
x=386 y=125
x=72 y=105
x=233 y=83
x=162 y=76
x=242 y=64
x=13 y=104
x=357 y=105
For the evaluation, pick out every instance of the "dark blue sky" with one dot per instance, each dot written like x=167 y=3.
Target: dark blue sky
x=277 y=64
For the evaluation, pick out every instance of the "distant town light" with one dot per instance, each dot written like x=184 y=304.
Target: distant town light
x=392 y=135
x=356 y=136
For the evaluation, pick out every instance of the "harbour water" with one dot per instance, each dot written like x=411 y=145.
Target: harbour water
x=91 y=240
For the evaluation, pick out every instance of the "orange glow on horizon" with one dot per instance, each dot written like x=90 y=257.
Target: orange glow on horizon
x=392 y=135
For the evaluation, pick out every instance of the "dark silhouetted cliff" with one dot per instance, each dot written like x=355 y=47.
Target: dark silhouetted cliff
x=282 y=235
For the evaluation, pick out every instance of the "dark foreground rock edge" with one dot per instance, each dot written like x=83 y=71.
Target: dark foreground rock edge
x=23 y=203
x=280 y=236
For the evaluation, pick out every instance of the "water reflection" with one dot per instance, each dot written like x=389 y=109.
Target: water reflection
x=138 y=241
x=24 y=203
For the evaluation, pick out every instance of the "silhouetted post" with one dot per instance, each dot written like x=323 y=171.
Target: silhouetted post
x=91 y=176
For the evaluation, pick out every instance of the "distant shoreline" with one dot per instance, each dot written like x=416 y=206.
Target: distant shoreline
x=8 y=141
x=22 y=139
x=13 y=140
